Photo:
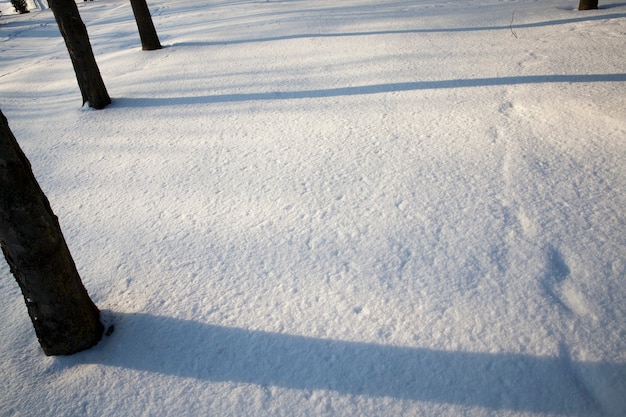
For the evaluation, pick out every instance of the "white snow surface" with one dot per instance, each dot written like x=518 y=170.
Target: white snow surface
x=331 y=208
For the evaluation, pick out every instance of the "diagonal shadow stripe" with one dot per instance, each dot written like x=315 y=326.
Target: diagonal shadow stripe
x=497 y=381
x=368 y=89
x=406 y=31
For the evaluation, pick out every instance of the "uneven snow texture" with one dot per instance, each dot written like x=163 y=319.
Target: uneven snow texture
x=331 y=208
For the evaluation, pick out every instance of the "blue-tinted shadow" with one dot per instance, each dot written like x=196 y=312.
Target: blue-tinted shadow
x=497 y=381
x=584 y=17
x=367 y=89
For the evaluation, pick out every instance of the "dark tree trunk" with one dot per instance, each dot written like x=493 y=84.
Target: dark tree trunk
x=587 y=4
x=77 y=41
x=65 y=319
x=147 y=32
x=20 y=6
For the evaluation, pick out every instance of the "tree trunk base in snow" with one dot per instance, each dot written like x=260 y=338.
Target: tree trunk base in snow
x=66 y=321
x=147 y=32
x=76 y=39
x=587 y=4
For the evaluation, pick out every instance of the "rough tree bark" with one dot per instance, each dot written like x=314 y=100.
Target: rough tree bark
x=65 y=319
x=76 y=39
x=587 y=4
x=147 y=32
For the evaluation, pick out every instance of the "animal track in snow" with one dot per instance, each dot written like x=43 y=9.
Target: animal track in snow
x=530 y=60
x=560 y=286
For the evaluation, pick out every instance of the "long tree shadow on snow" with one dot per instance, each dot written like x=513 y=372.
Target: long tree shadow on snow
x=189 y=349
x=367 y=89
x=577 y=19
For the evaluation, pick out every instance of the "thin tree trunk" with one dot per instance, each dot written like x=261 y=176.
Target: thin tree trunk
x=77 y=41
x=587 y=4
x=65 y=319
x=147 y=32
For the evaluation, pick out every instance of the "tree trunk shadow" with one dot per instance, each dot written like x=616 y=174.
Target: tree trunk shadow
x=189 y=349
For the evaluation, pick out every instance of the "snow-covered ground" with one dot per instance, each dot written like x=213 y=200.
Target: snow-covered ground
x=331 y=208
